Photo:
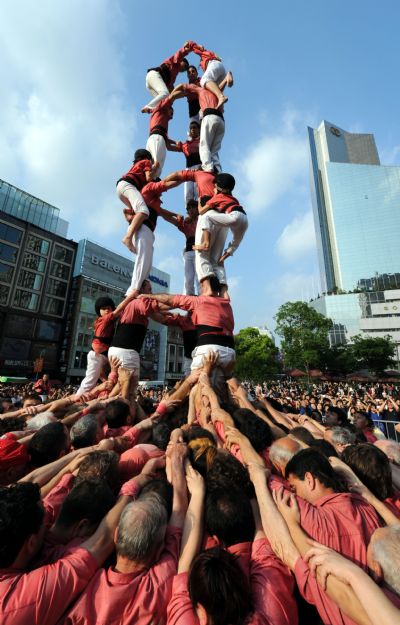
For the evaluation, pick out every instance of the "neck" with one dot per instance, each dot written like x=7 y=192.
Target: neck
x=123 y=565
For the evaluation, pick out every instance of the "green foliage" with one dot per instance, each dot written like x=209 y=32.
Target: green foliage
x=304 y=333
x=373 y=353
x=256 y=355
x=339 y=359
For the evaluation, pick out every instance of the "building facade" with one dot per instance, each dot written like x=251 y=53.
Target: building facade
x=174 y=355
x=98 y=272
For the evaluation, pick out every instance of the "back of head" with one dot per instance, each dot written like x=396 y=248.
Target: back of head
x=84 y=431
x=12 y=424
x=163 y=489
x=116 y=414
x=142 y=155
x=225 y=182
x=141 y=529
x=324 y=447
x=21 y=516
x=372 y=466
x=386 y=551
x=103 y=302
x=390 y=448
x=89 y=500
x=196 y=431
x=48 y=444
x=302 y=434
x=218 y=584
x=226 y=472
x=257 y=431
x=342 y=436
x=312 y=461
x=336 y=416
x=202 y=453
x=100 y=465
x=282 y=451
x=36 y=423
x=229 y=516
x=161 y=435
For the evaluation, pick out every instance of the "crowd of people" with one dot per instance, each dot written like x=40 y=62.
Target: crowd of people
x=217 y=502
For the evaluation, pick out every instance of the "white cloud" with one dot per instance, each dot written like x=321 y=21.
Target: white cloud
x=275 y=165
x=297 y=240
x=293 y=286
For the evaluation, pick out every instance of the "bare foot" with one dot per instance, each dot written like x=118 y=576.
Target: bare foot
x=128 y=242
x=229 y=79
x=221 y=101
x=201 y=248
x=146 y=109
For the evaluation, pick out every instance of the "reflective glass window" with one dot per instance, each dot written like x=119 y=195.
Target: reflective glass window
x=63 y=254
x=56 y=287
x=59 y=271
x=6 y=273
x=8 y=253
x=37 y=244
x=32 y=261
x=26 y=300
x=8 y=233
x=30 y=280
x=4 y=291
x=53 y=306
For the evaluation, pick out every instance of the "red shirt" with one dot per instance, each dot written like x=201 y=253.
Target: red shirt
x=103 y=327
x=208 y=311
x=271 y=587
x=54 y=500
x=191 y=97
x=41 y=596
x=151 y=194
x=187 y=227
x=184 y=322
x=173 y=65
x=190 y=147
x=222 y=202
x=205 y=180
x=133 y=460
x=138 y=311
x=205 y=56
x=207 y=99
x=130 y=598
x=137 y=173
x=159 y=118
x=393 y=503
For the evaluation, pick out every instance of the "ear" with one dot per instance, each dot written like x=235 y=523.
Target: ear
x=201 y=614
x=115 y=534
x=310 y=480
x=376 y=569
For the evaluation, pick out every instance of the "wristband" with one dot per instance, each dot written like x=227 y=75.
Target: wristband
x=161 y=409
x=85 y=411
x=113 y=376
x=130 y=489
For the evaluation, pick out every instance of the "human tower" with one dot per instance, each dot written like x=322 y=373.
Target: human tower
x=211 y=209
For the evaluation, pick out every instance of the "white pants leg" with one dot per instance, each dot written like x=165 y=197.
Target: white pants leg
x=157 y=87
x=207 y=260
x=215 y=71
x=211 y=134
x=143 y=241
x=226 y=357
x=129 y=357
x=190 y=187
x=131 y=197
x=236 y=221
x=191 y=283
x=202 y=259
x=157 y=148
x=95 y=364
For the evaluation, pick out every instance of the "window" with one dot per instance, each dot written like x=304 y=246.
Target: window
x=56 y=287
x=62 y=254
x=53 y=306
x=26 y=300
x=31 y=261
x=171 y=358
x=30 y=280
x=59 y=271
x=8 y=233
x=8 y=253
x=6 y=273
x=37 y=244
x=4 y=291
x=48 y=330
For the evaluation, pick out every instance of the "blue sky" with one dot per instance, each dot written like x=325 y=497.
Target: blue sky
x=73 y=77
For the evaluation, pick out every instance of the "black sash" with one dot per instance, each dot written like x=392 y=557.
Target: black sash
x=129 y=336
x=213 y=112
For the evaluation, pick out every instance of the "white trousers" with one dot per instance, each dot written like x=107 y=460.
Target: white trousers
x=215 y=71
x=157 y=87
x=129 y=358
x=131 y=197
x=236 y=221
x=191 y=284
x=143 y=242
x=212 y=132
x=95 y=364
x=225 y=363
x=157 y=148
x=207 y=261
x=190 y=190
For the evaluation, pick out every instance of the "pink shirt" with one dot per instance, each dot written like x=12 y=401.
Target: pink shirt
x=133 y=598
x=55 y=499
x=271 y=587
x=207 y=310
x=41 y=596
x=138 y=311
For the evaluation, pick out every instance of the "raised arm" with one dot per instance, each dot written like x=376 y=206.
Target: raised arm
x=193 y=525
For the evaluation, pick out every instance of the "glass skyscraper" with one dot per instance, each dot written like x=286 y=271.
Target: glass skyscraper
x=356 y=204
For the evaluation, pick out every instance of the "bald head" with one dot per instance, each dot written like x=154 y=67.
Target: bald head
x=283 y=450
x=390 y=448
x=384 y=555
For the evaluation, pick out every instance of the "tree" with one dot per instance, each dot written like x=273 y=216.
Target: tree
x=339 y=359
x=256 y=355
x=305 y=335
x=374 y=353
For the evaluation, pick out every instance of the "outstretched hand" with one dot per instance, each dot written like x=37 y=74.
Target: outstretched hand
x=287 y=505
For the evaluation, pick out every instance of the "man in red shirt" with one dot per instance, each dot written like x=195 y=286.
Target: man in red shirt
x=192 y=99
x=214 y=72
x=160 y=80
x=191 y=150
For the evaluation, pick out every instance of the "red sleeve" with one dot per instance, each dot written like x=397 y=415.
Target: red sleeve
x=186 y=302
x=191 y=88
x=103 y=323
x=188 y=174
x=146 y=306
x=272 y=586
x=177 y=57
x=55 y=499
x=180 y=610
x=132 y=435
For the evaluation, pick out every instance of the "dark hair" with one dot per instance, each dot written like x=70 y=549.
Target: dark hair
x=116 y=414
x=102 y=465
x=229 y=516
x=326 y=448
x=361 y=413
x=217 y=582
x=226 y=471
x=161 y=435
x=196 y=431
x=312 y=461
x=215 y=284
x=32 y=395
x=163 y=489
x=21 y=516
x=255 y=429
x=12 y=424
x=302 y=434
x=204 y=199
x=48 y=444
x=186 y=62
x=341 y=414
x=372 y=466
x=147 y=405
x=103 y=302
x=194 y=123
x=89 y=499
x=192 y=67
